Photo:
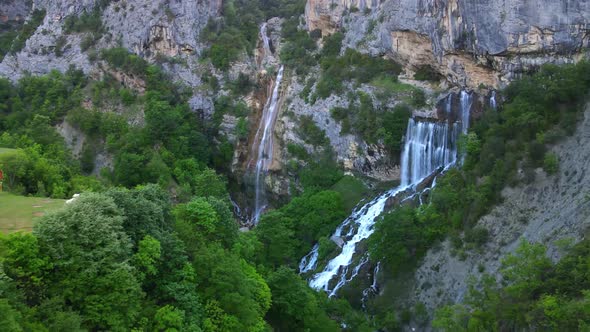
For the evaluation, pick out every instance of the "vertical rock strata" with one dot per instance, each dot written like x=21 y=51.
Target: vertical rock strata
x=471 y=43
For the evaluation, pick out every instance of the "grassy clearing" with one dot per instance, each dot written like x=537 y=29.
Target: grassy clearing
x=391 y=85
x=18 y=213
x=4 y=150
x=352 y=191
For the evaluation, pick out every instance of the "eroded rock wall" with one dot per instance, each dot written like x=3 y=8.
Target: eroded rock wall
x=550 y=209
x=471 y=43
x=147 y=28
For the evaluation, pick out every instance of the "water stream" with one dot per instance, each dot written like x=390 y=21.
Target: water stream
x=429 y=147
x=265 y=40
x=493 y=102
x=264 y=149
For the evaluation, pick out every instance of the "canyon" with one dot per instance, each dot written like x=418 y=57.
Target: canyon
x=473 y=49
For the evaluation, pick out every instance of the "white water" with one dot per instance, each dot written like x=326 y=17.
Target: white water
x=264 y=152
x=493 y=102
x=265 y=41
x=449 y=105
x=309 y=262
x=428 y=147
x=466 y=101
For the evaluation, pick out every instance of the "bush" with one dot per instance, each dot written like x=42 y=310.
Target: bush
x=310 y=132
x=332 y=45
x=121 y=58
x=353 y=65
x=27 y=30
x=297 y=151
x=395 y=123
x=550 y=163
x=59 y=45
x=426 y=73
x=477 y=236
x=87 y=22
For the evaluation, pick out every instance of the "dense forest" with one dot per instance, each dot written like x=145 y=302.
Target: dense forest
x=152 y=242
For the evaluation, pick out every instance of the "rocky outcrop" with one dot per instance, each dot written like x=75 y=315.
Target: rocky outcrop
x=13 y=10
x=326 y=15
x=550 y=209
x=150 y=29
x=76 y=140
x=354 y=154
x=470 y=43
x=160 y=27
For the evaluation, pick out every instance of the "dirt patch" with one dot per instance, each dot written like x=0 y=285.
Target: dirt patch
x=38 y=214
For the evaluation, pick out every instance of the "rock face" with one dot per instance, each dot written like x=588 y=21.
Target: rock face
x=354 y=154
x=552 y=208
x=148 y=28
x=13 y=10
x=470 y=43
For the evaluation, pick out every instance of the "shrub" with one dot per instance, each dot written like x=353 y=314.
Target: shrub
x=426 y=73
x=59 y=45
x=310 y=132
x=550 y=163
x=477 y=236
x=332 y=45
x=297 y=151
x=121 y=58
x=87 y=22
x=27 y=30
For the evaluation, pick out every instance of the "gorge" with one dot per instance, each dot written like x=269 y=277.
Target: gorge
x=294 y=165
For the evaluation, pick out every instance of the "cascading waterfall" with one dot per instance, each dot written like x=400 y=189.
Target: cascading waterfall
x=264 y=151
x=429 y=146
x=310 y=260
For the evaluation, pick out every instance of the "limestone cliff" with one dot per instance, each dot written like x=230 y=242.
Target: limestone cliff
x=148 y=28
x=470 y=43
x=13 y=10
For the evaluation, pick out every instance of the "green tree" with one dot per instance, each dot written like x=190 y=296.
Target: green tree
x=27 y=265
x=275 y=232
x=169 y=319
x=90 y=253
x=294 y=306
x=241 y=296
x=146 y=257
x=10 y=318
x=526 y=269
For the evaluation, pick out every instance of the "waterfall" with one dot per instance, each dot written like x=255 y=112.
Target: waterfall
x=493 y=102
x=265 y=41
x=309 y=262
x=428 y=147
x=466 y=101
x=264 y=151
x=449 y=106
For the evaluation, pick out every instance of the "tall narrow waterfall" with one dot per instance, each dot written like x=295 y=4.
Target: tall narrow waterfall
x=429 y=146
x=265 y=41
x=466 y=101
x=493 y=102
x=264 y=150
